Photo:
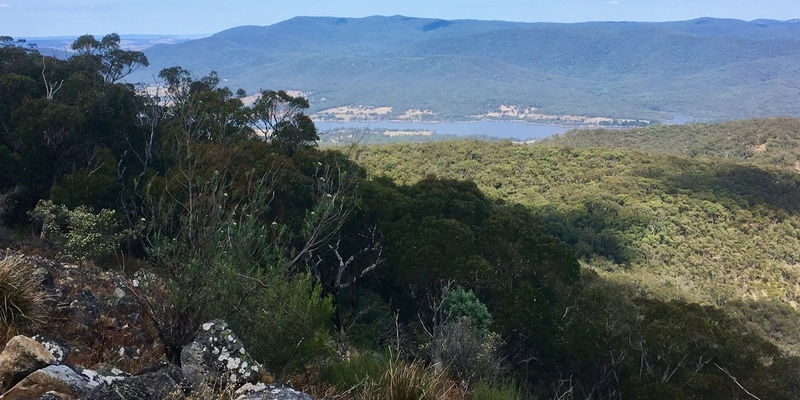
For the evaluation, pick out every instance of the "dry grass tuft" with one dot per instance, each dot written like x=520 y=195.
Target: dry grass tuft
x=21 y=297
x=407 y=381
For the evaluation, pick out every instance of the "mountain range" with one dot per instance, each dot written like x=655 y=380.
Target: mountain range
x=711 y=69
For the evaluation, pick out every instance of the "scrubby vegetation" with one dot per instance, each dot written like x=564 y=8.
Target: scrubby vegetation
x=443 y=270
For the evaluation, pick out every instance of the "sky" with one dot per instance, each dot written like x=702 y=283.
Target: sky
x=38 y=18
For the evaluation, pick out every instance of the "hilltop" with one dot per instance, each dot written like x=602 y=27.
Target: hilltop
x=706 y=68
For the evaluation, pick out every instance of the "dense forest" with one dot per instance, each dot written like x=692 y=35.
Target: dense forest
x=487 y=270
x=765 y=142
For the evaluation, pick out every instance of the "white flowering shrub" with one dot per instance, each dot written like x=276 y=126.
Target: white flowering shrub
x=81 y=233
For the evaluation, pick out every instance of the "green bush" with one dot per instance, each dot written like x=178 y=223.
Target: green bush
x=81 y=233
x=458 y=303
x=22 y=299
x=289 y=325
x=95 y=187
x=371 y=325
x=463 y=343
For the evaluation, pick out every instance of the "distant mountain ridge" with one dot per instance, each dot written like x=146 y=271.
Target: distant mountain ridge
x=708 y=68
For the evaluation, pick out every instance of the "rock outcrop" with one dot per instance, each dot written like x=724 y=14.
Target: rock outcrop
x=97 y=330
x=163 y=381
x=21 y=356
x=59 y=380
x=269 y=392
x=97 y=314
x=218 y=357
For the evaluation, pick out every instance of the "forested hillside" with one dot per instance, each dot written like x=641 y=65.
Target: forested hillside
x=711 y=231
x=767 y=142
x=705 y=68
x=439 y=271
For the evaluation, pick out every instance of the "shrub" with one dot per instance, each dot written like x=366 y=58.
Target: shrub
x=371 y=325
x=467 y=354
x=81 y=233
x=458 y=303
x=288 y=324
x=218 y=257
x=462 y=342
x=22 y=299
x=5 y=206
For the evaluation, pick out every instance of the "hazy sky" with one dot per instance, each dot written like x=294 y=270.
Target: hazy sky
x=30 y=18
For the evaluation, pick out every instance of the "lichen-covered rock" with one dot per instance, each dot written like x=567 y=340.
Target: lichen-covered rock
x=57 y=348
x=98 y=315
x=269 y=392
x=160 y=382
x=218 y=356
x=54 y=378
x=21 y=356
x=55 y=396
x=107 y=377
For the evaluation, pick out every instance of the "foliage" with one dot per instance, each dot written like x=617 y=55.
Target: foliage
x=220 y=259
x=297 y=317
x=21 y=309
x=458 y=304
x=82 y=234
x=468 y=354
x=484 y=390
x=348 y=374
x=6 y=201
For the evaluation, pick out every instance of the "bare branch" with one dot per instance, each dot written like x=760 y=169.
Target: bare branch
x=50 y=88
x=736 y=381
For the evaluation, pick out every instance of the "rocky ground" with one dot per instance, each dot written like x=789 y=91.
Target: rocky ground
x=97 y=343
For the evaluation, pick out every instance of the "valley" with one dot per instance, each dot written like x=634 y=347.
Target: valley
x=391 y=207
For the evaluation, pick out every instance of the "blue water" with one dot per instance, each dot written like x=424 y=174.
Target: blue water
x=499 y=129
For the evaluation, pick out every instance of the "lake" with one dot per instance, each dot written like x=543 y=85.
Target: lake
x=515 y=130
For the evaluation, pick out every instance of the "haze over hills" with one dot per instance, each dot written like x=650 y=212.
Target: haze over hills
x=707 y=68
x=60 y=46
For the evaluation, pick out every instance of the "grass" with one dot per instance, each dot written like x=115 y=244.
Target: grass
x=366 y=377
x=484 y=390
x=407 y=381
x=21 y=309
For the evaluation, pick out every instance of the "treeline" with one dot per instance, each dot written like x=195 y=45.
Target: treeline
x=232 y=211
